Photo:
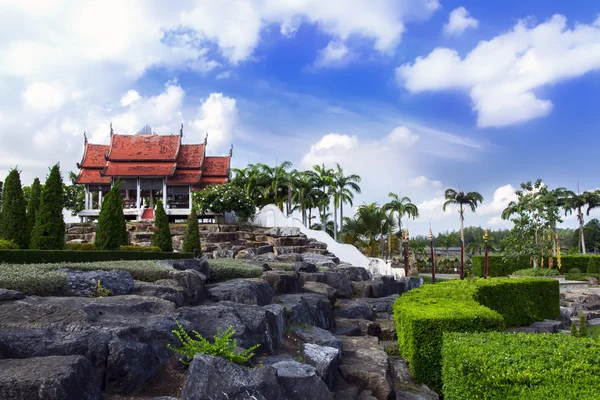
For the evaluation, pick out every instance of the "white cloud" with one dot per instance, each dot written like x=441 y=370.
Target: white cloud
x=459 y=21
x=130 y=97
x=423 y=181
x=218 y=117
x=503 y=74
x=336 y=54
x=402 y=135
x=43 y=97
x=502 y=196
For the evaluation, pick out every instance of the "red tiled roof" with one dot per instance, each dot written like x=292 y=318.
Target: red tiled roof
x=92 y=176
x=216 y=166
x=213 y=180
x=116 y=168
x=93 y=155
x=191 y=156
x=185 y=176
x=144 y=147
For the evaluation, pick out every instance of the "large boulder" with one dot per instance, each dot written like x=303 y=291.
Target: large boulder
x=200 y=265
x=284 y=231
x=320 y=260
x=192 y=282
x=411 y=282
x=366 y=327
x=165 y=289
x=317 y=336
x=355 y=274
x=85 y=283
x=336 y=280
x=283 y=282
x=406 y=387
x=353 y=310
x=212 y=378
x=6 y=294
x=308 y=309
x=322 y=289
x=380 y=287
x=301 y=381
x=245 y=291
x=303 y=266
x=381 y=306
x=324 y=359
x=130 y=365
x=46 y=378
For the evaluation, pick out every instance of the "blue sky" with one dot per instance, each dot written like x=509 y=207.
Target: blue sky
x=414 y=95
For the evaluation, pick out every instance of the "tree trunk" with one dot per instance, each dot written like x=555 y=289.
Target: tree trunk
x=554 y=239
x=462 y=244
x=341 y=227
x=400 y=248
x=390 y=242
x=582 y=237
x=323 y=222
x=309 y=217
x=334 y=222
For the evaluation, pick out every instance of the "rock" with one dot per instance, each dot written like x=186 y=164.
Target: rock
x=283 y=282
x=45 y=378
x=411 y=282
x=388 y=330
x=166 y=289
x=223 y=254
x=363 y=362
x=267 y=257
x=308 y=309
x=320 y=260
x=324 y=359
x=130 y=365
x=355 y=274
x=200 y=265
x=566 y=313
x=245 y=254
x=285 y=231
x=366 y=327
x=296 y=378
x=246 y=291
x=282 y=250
x=303 y=266
x=218 y=237
x=353 y=310
x=192 y=282
x=379 y=287
x=85 y=283
x=546 y=326
x=289 y=241
x=336 y=280
x=6 y=294
x=322 y=289
x=417 y=392
x=342 y=327
x=381 y=306
x=316 y=335
x=291 y=257
x=252 y=324
x=406 y=387
x=265 y=249
x=212 y=378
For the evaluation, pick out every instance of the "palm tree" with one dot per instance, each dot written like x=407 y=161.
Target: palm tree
x=324 y=180
x=402 y=206
x=368 y=228
x=343 y=185
x=462 y=200
x=277 y=182
x=577 y=202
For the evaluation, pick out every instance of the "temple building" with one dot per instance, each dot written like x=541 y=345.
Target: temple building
x=149 y=167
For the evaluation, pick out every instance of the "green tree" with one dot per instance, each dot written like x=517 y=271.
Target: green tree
x=111 y=232
x=74 y=195
x=49 y=228
x=592 y=267
x=162 y=234
x=343 y=188
x=368 y=229
x=34 y=204
x=591 y=231
x=325 y=181
x=225 y=198
x=401 y=206
x=13 y=219
x=191 y=238
x=576 y=202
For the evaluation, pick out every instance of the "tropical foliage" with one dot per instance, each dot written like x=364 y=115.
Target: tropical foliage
x=49 y=229
x=224 y=198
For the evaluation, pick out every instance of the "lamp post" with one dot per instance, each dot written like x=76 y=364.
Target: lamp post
x=485 y=239
x=406 y=237
x=432 y=256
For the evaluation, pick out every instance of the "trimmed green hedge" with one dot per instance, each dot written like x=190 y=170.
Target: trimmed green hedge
x=424 y=314
x=520 y=366
x=537 y=272
x=498 y=267
x=92 y=247
x=58 y=256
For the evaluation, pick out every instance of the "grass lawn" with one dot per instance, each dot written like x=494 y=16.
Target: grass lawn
x=427 y=279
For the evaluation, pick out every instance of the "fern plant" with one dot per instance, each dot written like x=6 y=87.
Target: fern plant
x=224 y=346
x=100 y=291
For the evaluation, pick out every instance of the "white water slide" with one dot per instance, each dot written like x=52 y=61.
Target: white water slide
x=271 y=216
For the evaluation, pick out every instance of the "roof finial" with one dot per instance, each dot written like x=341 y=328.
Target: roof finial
x=206 y=139
x=111 y=129
x=84 y=138
x=231 y=150
x=181 y=130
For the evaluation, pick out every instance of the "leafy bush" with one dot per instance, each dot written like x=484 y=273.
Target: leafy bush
x=139 y=248
x=580 y=276
x=111 y=231
x=424 y=314
x=575 y=271
x=536 y=272
x=592 y=266
x=81 y=246
x=8 y=245
x=49 y=229
x=224 y=271
x=520 y=366
x=58 y=256
x=191 y=239
x=225 y=198
x=162 y=235
x=498 y=266
x=223 y=346
x=13 y=217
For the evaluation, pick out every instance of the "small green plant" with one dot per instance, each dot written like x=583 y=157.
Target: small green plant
x=223 y=346
x=592 y=266
x=537 y=272
x=574 y=332
x=100 y=291
x=583 y=330
x=574 y=271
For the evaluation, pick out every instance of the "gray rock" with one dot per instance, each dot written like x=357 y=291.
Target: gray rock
x=320 y=260
x=379 y=287
x=308 y=309
x=45 y=378
x=316 y=335
x=388 y=330
x=382 y=306
x=291 y=257
x=6 y=294
x=266 y=249
x=353 y=310
x=260 y=259
x=546 y=326
x=245 y=254
x=130 y=365
x=566 y=313
x=85 y=283
x=285 y=231
x=355 y=274
x=223 y=254
x=246 y=291
x=200 y=265
x=406 y=387
x=367 y=328
x=336 y=280
x=166 y=289
x=296 y=378
x=303 y=266
x=412 y=282
x=214 y=378
x=324 y=359
x=322 y=289
x=345 y=328
x=192 y=282
x=283 y=282
x=270 y=360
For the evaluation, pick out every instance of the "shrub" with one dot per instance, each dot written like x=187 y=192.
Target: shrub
x=13 y=219
x=536 y=272
x=49 y=229
x=81 y=246
x=191 y=239
x=225 y=271
x=83 y=256
x=225 y=198
x=223 y=346
x=583 y=330
x=162 y=234
x=139 y=248
x=520 y=366
x=574 y=332
x=7 y=244
x=575 y=271
x=498 y=266
x=33 y=205
x=111 y=232
x=592 y=266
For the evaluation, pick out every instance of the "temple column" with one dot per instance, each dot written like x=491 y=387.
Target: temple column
x=165 y=194
x=100 y=200
x=190 y=200
x=137 y=204
x=87 y=197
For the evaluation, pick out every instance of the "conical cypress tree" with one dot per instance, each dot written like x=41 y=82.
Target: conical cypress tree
x=162 y=234
x=34 y=204
x=191 y=239
x=49 y=228
x=13 y=220
x=111 y=231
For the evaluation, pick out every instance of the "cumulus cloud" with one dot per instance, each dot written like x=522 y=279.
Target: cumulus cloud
x=504 y=73
x=423 y=181
x=459 y=21
x=43 y=96
x=336 y=54
x=218 y=117
x=502 y=196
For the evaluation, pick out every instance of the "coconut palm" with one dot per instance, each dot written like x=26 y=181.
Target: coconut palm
x=324 y=181
x=343 y=188
x=401 y=206
x=368 y=228
x=577 y=202
x=462 y=200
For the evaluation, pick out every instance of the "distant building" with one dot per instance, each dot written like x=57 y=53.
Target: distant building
x=149 y=167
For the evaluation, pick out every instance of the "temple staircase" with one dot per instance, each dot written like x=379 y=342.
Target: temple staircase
x=148 y=214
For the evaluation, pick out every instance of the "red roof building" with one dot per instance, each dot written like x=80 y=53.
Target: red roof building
x=148 y=167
